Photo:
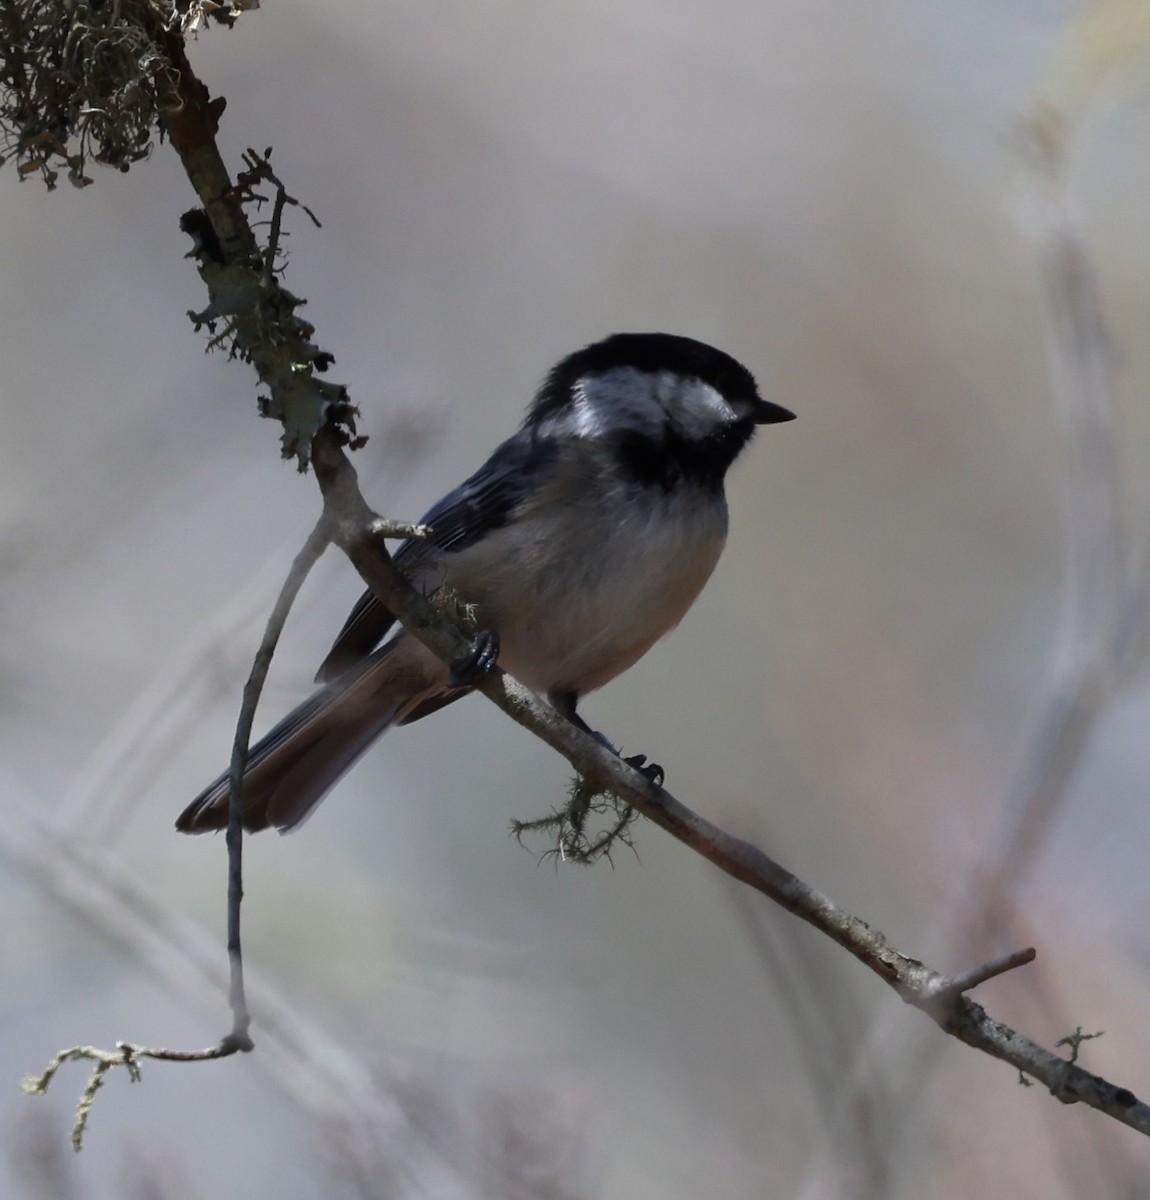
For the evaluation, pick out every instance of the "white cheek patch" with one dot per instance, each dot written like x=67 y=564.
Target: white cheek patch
x=694 y=407
x=625 y=398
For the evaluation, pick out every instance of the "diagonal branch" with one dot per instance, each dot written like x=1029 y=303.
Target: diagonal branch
x=356 y=529
x=260 y=326
x=942 y=998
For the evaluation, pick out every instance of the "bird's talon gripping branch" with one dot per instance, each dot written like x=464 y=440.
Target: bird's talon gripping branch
x=651 y=771
x=478 y=662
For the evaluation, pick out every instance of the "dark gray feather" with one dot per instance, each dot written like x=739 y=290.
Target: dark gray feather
x=484 y=502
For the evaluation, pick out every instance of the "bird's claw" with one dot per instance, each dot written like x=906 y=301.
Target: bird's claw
x=651 y=771
x=477 y=662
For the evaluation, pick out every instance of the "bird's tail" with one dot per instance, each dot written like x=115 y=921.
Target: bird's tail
x=292 y=768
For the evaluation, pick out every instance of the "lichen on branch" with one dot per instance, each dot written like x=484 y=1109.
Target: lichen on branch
x=83 y=81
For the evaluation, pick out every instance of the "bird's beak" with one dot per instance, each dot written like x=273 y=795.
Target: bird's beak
x=766 y=413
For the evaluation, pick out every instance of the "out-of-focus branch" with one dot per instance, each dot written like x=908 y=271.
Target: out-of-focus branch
x=1095 y=628
x=1105 y=630
x=1104 y=634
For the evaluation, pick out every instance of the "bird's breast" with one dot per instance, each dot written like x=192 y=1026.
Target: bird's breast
x=584 y=581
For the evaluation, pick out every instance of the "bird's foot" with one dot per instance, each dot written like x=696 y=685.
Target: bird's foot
x=651 y=771
x=477 y=662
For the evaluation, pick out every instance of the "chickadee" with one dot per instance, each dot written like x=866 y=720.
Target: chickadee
x=581 y=541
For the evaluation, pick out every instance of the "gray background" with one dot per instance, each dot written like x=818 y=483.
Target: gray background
x=826 y=190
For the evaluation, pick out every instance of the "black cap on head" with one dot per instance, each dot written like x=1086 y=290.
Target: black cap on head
x=654 y=352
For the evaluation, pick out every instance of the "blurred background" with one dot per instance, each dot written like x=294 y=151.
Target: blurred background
x=917 y=678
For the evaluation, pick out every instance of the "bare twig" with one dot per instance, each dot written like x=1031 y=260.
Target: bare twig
x=315 y=545
x=259 y=170
x=947 y=988
x=127 y=1054
x=124 y=1055
x=1074 y=1041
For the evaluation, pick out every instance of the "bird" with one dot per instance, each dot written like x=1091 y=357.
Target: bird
x=580 y=542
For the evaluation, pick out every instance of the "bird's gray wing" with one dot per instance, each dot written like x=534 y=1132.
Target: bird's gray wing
x=489 y=499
